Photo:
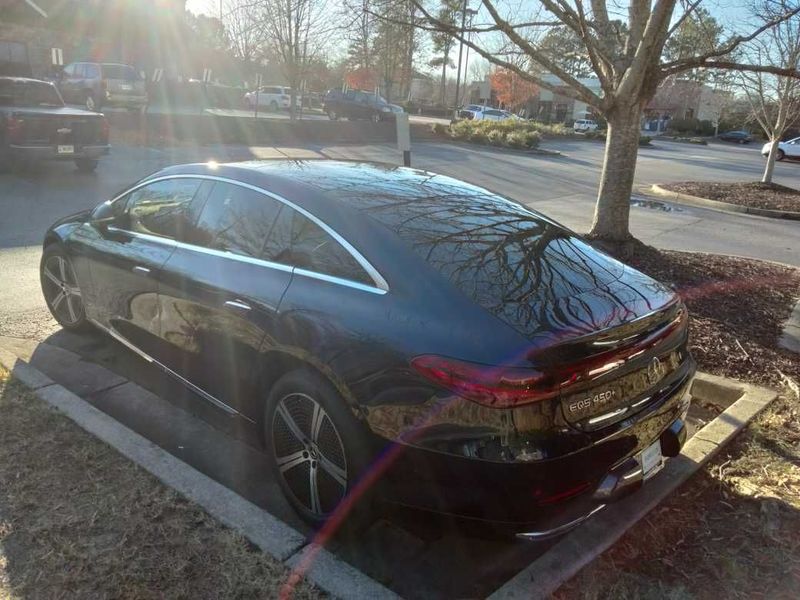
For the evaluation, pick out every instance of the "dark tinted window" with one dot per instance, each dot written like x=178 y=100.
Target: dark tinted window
x=120 y=72
x=163 y=208
x=235 y=219
x=91 y=71
x=28 y=93
x=296 y=240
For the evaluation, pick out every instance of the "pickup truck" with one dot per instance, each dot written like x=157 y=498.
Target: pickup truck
x=35 y=125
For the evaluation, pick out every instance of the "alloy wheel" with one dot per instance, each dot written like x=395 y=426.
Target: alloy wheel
x=309 y=453
x=61 y=290
x=90 y=104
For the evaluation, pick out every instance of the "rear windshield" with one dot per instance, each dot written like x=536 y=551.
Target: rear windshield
x=511 y=261
x=120 y=72
x=28 y=93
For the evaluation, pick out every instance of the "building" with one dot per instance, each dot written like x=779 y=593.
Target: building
x=683 y=99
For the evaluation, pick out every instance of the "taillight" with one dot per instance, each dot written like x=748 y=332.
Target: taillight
x=498 y=387
x=14 y=129
x=104 y=129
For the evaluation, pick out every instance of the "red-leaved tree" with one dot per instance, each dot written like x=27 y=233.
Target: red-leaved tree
x=511 y=89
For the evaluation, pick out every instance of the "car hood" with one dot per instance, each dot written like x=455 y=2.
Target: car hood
x=78 y=217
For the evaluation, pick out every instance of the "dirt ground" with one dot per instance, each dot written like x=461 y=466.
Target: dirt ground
x=754 y=194
x=737 y=309
x=78 y=520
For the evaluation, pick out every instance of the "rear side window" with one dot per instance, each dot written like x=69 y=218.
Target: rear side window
x=120 y=72
x=235 y=219
x=297 y=241
x=163 y=208
x=91 y=71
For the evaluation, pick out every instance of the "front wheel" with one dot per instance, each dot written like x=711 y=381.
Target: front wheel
x=61 y=291
x=86 y=165
x=780 y=155
x=332 y=115
x=314 y=445
x=90 y=102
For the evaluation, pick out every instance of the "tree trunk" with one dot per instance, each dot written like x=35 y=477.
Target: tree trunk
x=770 y=167
x=612 y=211
x=444 y=79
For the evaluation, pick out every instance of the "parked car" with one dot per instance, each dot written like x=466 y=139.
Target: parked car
x=467 y=112
x=35 y=125
x=356 y=104
x=740 y=137
x=790 y=149
x=584 y=125
x=275 y=97
x=485 y=113
x=96 y=85
x=474 y=356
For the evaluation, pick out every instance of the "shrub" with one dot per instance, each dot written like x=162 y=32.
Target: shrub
x=439 y=128
x=461 y=129
x=496 y=137
x=531 y=139
x=478 y=136
x=700 y=141
x=645 y=140
x=516 y=139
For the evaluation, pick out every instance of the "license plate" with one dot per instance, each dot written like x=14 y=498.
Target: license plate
x=66 y=149
x=651 y=459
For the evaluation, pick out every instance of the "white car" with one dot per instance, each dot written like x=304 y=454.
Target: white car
x=273 y=97
x=584 y=125
x=490 y=114
x=790 y=149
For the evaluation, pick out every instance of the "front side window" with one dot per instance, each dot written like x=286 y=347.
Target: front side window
x=91 y=71
x=297 y=241
x=163 y=208
x=235 y=219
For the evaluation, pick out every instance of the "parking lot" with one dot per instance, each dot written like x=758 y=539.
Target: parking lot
x=418 y=554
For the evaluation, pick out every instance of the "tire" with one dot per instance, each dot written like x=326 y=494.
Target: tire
x=332 y=115
x=86 y=165
x=273 y=106
x=780 y=155
x=90 y=103
x=328 y=460
x=61 y=291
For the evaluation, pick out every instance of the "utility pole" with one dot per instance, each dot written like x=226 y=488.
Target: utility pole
x=461 y=50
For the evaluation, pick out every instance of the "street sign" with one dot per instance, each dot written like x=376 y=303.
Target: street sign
x=57 y=56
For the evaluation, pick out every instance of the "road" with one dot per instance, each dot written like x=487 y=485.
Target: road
x=562 y=187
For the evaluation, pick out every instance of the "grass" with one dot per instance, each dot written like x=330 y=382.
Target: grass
x=732 y=531
x=77 y=519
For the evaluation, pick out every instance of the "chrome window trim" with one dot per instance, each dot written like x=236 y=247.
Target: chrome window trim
x=381 y=286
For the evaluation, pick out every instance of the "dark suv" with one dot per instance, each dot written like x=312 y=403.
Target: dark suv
x=356 y=104
x=102 y=84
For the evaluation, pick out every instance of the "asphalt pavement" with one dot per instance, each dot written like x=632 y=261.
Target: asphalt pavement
x=563 y=187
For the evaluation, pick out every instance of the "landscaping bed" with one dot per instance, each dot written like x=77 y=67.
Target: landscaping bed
x=737 y=306
x=78 y=520
x=754 y=194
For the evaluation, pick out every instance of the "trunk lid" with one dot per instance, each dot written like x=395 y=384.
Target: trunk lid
x=53 y=126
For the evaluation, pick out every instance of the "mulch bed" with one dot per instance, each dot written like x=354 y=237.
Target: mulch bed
x=737 y=306
x=753 y=194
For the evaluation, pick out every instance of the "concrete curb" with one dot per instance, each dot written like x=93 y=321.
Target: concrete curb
x=559 y=564
x=723 y=206
x=271 y=535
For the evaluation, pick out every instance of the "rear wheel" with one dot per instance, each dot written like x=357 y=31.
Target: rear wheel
x=86 y=165
x=314 y=444
x=273 y=106
x=780 y=155
x=61 y=290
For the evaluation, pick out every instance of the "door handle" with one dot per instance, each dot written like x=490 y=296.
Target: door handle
x=141 y=270
x=237 y=304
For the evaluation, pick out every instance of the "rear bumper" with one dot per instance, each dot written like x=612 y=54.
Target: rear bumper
x=51 y=152
x=542 y=498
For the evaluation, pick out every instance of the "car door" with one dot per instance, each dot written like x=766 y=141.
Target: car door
x=125 y=258
x=219 y=297
x=67 y=82
x=792 y=148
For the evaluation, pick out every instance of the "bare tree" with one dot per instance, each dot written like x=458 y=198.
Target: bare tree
x=293 y=31
x=625 y=45
x=242 y=29
x=774 y=99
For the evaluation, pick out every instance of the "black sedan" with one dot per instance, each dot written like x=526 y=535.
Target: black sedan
x=389 y=330
x=740 y=137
